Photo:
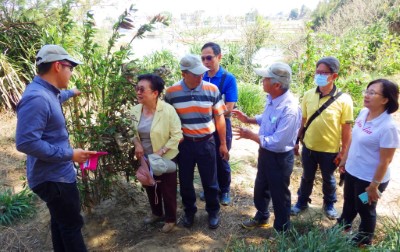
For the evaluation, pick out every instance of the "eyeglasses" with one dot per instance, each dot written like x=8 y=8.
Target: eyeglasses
x=139 y=89
x=71 y=67
x=370 y=93
x=208 y=57
x=322 y=73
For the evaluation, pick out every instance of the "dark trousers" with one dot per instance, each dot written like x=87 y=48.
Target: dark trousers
x=201 y=153
x=311 y=160
x=272 y=181
x=63 y=202
x=223 y=168
x=166 y=196
x=352 y=206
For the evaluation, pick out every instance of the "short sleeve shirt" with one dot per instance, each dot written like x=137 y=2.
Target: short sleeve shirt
x=367 y=140
x=228 y=89
x=196 y=107
x=324 y=134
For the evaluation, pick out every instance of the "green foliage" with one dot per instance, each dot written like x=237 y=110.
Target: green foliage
x=314 y=240
x=100 y=117
x=370 y=49
x=391 y=235
x=354 y=85
x=251 y=99
x=163 y=63
x=15 y=206
x=255 y=36
x=233 y=62
x=324 y=10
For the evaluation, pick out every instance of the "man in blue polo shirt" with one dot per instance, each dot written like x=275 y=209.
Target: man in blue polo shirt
x=211 y=57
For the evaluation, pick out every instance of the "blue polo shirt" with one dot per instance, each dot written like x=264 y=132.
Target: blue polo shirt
x=42 y=134
x=229 y=90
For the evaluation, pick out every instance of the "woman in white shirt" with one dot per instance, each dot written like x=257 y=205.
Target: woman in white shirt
x=375 y=137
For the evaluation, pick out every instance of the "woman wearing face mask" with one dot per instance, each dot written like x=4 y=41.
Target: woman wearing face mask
x=327 y=136
x=158 y=130
x=375 y=138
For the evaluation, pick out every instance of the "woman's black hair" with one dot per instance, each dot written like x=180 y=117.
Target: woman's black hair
x=390 y=90
x=156 y=82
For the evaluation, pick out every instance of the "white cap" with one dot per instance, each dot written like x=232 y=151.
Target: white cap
x=278 y=70
x=193 y=64
x=51 y=53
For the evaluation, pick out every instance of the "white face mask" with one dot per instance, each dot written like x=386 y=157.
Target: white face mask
x=321 y=80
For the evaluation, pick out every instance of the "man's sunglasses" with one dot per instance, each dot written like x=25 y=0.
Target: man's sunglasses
x=208 y=57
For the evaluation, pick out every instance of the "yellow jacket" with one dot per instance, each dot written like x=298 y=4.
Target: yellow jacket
x=166 y=129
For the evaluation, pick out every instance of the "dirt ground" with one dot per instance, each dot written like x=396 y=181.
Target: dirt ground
x=117 y=224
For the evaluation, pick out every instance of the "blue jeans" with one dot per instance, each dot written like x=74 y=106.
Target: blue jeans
x=311 y=159
x=272 y=181
x=63 y=202
x=352 y=206
x=223 y=168
x=203 y=154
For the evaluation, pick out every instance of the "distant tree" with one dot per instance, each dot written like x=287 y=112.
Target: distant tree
x=324 y=10
x=304 y=12
x=251 y=16
x=294 y=14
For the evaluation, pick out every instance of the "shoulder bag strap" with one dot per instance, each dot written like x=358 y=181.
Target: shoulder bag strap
x=319 y=111
x=222 y=82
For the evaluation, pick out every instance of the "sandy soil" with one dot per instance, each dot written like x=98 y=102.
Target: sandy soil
x=117 y=224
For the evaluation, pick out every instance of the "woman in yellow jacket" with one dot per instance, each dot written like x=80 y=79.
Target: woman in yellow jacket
x=157 y=130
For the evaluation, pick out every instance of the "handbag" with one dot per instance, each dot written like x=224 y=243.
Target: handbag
x=143 y=173
x=160 y=165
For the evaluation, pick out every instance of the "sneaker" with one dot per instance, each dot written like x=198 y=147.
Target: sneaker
x=201 y=196
x=225 y=199
x=152 y=219
x=296 y=209
x=168 y=226
x=253 y=223
x=330 y=211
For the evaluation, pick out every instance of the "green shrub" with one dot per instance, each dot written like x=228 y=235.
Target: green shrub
x=391 y=232
x=15 y=206
x=251 y=99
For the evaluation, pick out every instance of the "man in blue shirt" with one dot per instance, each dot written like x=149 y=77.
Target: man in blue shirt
x=226 y=83
x=279 y=125
x=43 y=136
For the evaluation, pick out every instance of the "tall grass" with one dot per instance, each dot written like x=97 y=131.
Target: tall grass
x=308 y=235
x=251 y=99
x=15 y=206
x=391 y=232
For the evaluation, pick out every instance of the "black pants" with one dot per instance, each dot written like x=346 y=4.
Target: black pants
x=352 y=206
x=66 y=221
x=201 y=153
x=272 y=181
x=166 y=194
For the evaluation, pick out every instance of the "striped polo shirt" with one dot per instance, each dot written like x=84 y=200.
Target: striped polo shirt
x=196 y=107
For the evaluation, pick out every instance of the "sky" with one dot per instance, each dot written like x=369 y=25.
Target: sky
x=234 y=7
x=211 y=7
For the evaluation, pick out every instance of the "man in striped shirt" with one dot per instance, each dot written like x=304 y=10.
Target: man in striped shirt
x=201 y=110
